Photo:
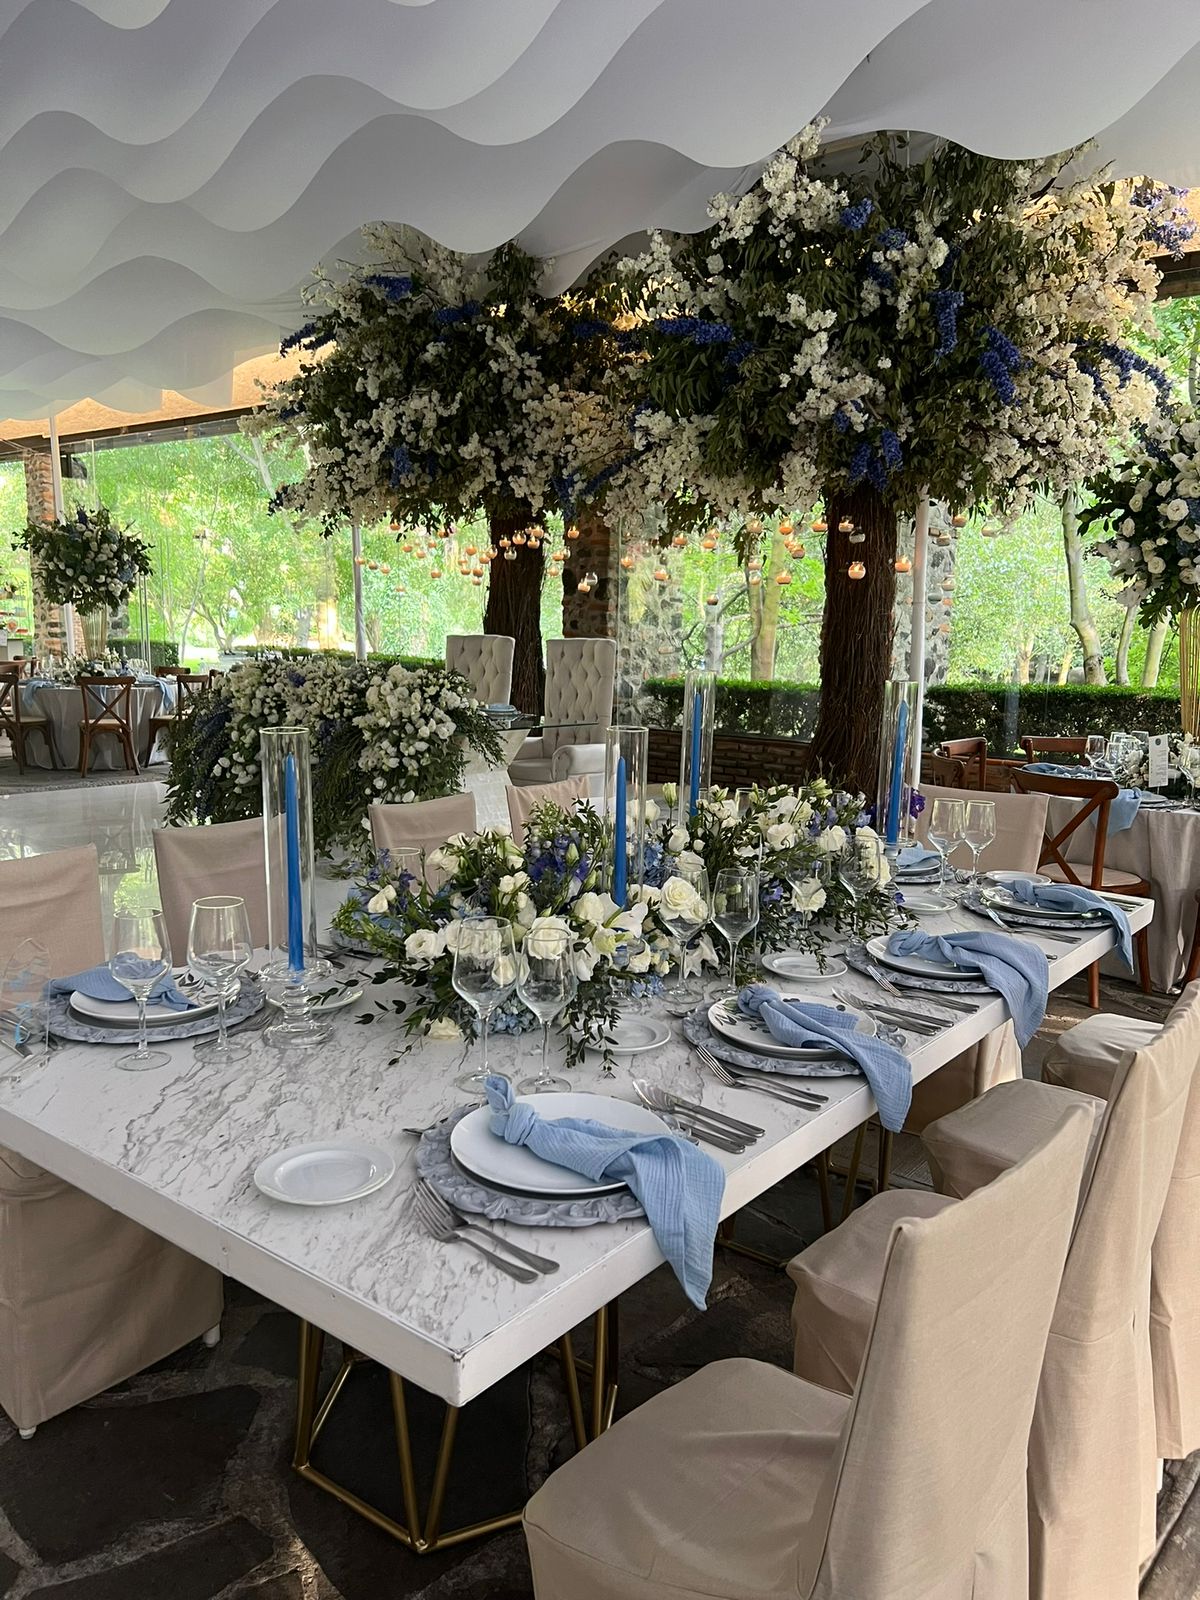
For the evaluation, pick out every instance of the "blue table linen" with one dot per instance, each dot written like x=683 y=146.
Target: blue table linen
x=1069 y=897
x=680 y=1187
x=1121 y=812
x=800 y=1022
x=98 y=983
x=916 y=858
x=1020 y=971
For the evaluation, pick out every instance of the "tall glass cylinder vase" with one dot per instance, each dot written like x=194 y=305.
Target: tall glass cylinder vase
x=626 y=758
x=695 y=756
x=295 y=970
x=899 y=769
x=1189 y=669
x=95 y=632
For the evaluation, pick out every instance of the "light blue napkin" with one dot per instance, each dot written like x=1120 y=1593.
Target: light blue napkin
x=680 y=1188
x=503 y=705
x=98 y=983
x=916 y=858
x=1020 y=971
x=1123 y=809
x=799 y=1022
x=1069 y=897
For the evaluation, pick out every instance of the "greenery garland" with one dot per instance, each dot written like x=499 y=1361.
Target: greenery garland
x=86 y=561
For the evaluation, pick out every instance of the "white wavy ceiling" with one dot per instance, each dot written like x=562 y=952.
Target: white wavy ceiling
x=171 y=169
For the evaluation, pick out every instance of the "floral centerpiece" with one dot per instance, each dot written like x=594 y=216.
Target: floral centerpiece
x=379 y=735
x=86 y=561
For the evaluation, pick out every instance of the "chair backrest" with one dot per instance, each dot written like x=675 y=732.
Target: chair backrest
x=54 y=899
x=221 y=858
x=948 y=772
x=1037 y=744
x=10 y=691
x=974 y=752
x=167 y=672
x=1096 y=795
x=521 y=801
x=107 y=702
x=580 y=675
x=187 y=686
x=486 y=661
x=1020 y=824
x=934 y=1444
x=422 y=824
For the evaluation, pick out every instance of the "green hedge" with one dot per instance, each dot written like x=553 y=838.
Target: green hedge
x=952 y=711
x=298 y=652
x=163 y=652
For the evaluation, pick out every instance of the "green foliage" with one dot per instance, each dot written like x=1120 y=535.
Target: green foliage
x=163 y=652
x=85 y=560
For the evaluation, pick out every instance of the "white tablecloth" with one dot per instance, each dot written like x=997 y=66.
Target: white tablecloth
x=62 y=703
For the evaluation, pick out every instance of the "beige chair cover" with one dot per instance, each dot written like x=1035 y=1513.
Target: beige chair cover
x=220 y=858
x=743 y=1482
x=87 y=1298
x=1020 y=823
x=423 y=824
x=522 y=801
x=580 y=675
x=1088 y=1057
x=485 y=660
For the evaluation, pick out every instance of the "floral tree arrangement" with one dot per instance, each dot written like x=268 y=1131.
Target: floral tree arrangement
x=437 y=388
x=86 y=561
x=1150 y=504
x=377 y=735
x=952 y=326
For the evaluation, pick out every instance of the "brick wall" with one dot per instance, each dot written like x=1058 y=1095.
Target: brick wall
x=592 y=615
x=739 y=760
x=39 y=503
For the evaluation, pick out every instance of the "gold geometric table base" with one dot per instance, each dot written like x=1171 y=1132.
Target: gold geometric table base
x=422 y=1535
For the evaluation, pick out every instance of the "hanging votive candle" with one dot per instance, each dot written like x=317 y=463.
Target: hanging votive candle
x=903 y=564
x=519 y=539
x=754 y=525
x=679 y=542
x=406 y=547
x=470 y=550
x=712 y=600
x=708 y=542
x=385 y=568
x=785 y=527
x=958 y=520
x=435 y=572
x=661 y=575
x=360 y=561
x=510 y=555
x=572 y=533
x=857 y=537
x=845 y=525
x=419 y=554
x=626 y=562
x=820 y=525
x=583 y=586
x=505 y=541
x=856 y=569
x=782 y=578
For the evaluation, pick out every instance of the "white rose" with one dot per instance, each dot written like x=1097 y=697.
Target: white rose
x=545 y=936
x=443 y=1028
x=678 y=898
x=377 y=903
x=808 y=897
x=440 y=861
x=781 y=836
x=670 y=793
x=592 y=907
x=423 y=945
x=514 y=883
x=678 y=840
x=831 y=841
x=639 y=961
x=451 y=934
x=1175 y=509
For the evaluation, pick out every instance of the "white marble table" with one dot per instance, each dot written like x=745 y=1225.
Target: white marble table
x=175 y=1149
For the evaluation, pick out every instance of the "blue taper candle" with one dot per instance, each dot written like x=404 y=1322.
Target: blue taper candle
x=295 y=904
x=620 y=848
x=694 y=785
x=892 y=829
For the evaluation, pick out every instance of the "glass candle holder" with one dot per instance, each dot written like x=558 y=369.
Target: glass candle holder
x=695 y=756
x=626 y=757
x=295 y=971
x=898 y=763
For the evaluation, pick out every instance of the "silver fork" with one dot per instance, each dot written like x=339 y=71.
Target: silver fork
x=1054 y=938
x=448 y=1233
x=454 y=1218
x=730 y=1082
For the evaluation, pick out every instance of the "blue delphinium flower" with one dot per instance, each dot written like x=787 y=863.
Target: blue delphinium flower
x=391 y=285
x=696 y=329
x=892 y=239
x=592 y=328
x=857 y=216
x=841 y=421
x=401 y=465
x=1128 y=362
x=1170 y=226
x=880 y=275
x=999 y=361
x=448 y=316
x=946 y=304
x=860 y=463
x=1005 y=349
x=891 y=449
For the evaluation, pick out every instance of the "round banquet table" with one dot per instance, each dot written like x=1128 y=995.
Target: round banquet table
x=62 y=704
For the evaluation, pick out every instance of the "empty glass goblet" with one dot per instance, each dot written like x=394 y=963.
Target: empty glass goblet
x=685 y=916
x=219 y=951
x=141 y=957
x=979 y=830
x=546 y=983
x=947 y=823
x=484 y=974
x=735 y=910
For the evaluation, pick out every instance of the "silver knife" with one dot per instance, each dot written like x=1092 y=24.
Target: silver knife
x=746 y=1129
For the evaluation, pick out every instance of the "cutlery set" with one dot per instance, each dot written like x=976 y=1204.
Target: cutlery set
x=442 y=1222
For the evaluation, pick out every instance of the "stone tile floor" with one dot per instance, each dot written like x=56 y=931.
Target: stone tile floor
x=176 y=1486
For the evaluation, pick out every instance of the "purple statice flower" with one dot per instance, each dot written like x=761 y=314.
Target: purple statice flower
x=857 y=216
x=946 y=304
x=916 y=803
x=401 y=465
x=295 y=678
x=1170 y=225
x=998 y=375
x=841 y=421
x=393 y=286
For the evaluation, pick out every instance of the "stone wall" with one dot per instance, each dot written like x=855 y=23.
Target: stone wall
x=592 y=615
x=39 y=502
x=739 y=760
x=939 y=587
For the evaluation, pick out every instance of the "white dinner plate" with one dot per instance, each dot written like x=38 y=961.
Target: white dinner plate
x=751 y=1034
x=326 y=1174
x=124 y=1013
x=335 y=1002
x=1017 y=877
x=801 y=967
x=487 y=1157
x=924 y=900
x=634 y=1034
x=918 y=966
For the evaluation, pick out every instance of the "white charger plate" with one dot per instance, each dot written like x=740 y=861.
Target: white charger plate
x=124 y=1013
x=801 y=967
x=1003 y=902
x=917 y=966
x=487 y=1157
x=750 y=1034
x=325 y=1174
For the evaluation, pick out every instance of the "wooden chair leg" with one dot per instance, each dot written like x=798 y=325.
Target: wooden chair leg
x=131 y=760
x=1193 y=966
x=85 y=749
x=16 y=737
x=51 y=746
x=1142 y=940
x=1094 y=986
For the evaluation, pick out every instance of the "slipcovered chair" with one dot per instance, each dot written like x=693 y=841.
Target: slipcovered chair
x=580 y=674
x=1088 y=1058
x=743 y=1481
x=422 y=824
x=220 y=858
x=87 y=1297
x=485 y=660
x=1092 y=1448
x=521 y=802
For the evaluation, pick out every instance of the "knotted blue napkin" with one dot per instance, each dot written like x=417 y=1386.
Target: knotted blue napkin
x=916 y=858
x=1123 y=809
x=1070 y=897
x=680 y=1188
x=98 y=983
x=1019 y=971
x=799 y=1022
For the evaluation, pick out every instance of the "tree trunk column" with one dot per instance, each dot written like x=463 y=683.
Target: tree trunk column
x=592 y=615
x=514 y=606
x=48 y=638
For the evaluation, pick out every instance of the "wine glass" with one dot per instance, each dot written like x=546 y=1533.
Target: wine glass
x=141 y=956
x=979 y=830
x=546 y=984
x=735 y=910
x=860 y=866
x=484 y=974
x=947 y=823
x=806 y=879
x=686 y=920
x=219 y=950
x=1096 y=750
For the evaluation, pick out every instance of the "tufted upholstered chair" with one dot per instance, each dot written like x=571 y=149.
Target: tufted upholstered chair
x=486 y=661
x=580 y=674
x=87 y=1297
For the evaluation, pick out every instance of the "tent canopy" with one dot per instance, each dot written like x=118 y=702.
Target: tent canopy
x=170 y=170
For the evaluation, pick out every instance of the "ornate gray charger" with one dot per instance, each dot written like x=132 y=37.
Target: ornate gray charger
x=857 y=957
x=974 y=902
x=65 y=1025
x=440 y=1170
x=697 y=1031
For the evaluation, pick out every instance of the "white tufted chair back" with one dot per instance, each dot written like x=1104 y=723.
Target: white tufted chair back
x=580 y=674
x=485 y=661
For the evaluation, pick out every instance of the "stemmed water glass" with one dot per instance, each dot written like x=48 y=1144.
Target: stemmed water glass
x=947 y=825
x=484 y=974
x=735 y=910
x=979 y=831
x=860 y=866
x=141 y=956
x=806 y=878
x=1096 y=751
x=546 y=983
x=685 y=918
x=219 y=951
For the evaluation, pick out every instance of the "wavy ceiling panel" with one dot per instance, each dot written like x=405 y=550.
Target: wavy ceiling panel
x=170 y=170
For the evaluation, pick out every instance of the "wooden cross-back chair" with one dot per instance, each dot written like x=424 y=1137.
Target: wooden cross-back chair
x=1095 y=797
x=107 y=708
x=187 y=686
x=947 y=772
x=973 y=753
x=1052 y=744
x=17 y=722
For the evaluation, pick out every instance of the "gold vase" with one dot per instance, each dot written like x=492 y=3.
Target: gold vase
x=1189 y=669
x=95 y=632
